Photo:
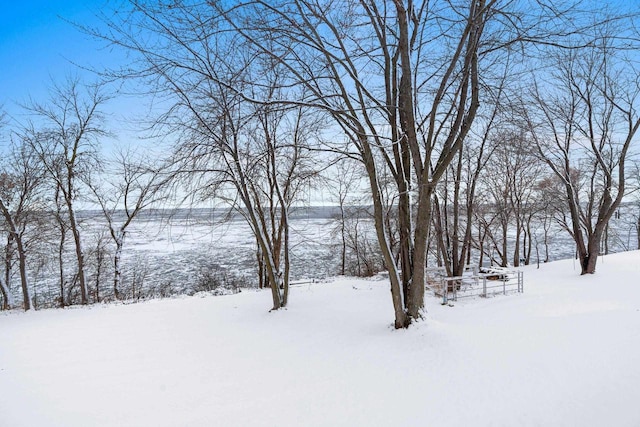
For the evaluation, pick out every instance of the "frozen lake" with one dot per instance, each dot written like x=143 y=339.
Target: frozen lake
x=170 y=253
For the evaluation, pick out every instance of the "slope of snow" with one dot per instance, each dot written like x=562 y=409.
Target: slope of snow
x=564 y=353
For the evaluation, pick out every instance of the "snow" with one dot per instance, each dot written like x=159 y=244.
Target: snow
x=564 y=353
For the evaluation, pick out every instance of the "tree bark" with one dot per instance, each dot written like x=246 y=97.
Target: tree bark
x=117 y=269
x=423 y=220
x=401 y=318
x=22 y=262
x=7 y=297
x=75 y=231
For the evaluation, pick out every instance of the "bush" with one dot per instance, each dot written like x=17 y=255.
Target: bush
x=218 y=282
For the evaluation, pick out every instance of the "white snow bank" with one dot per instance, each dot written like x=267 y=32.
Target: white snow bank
x=566 y=352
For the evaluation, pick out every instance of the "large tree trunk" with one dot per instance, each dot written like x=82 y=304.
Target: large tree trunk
x=589 y=258
x=408 y=151
x=423 y=219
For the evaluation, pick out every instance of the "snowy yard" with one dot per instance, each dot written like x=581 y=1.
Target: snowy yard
x=564 y=353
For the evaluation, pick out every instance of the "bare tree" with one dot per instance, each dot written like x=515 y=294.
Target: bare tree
x=410 y=120
x=20 y=181
x=583 y=122
x=8 y=300
x=258 y=164
x=635 y=216
x=251 y=155
x=512 y=176
x=338 y=47
x=7 y=297
x=455 y=204
x=64 y=134
x=344 y=187
x=359 y=251
x=400 y=81
x=131 y=185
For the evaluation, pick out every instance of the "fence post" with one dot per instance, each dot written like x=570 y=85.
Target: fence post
x=521 y=281
x=484 y=286
x=445 y=291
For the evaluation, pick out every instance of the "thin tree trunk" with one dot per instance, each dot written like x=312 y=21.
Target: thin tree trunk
x=79 y=255
x=443 y=258
x=503 y=255
x=61 y=266
x=22 y=262
x=8 y=259
x=117 y=269
x=401 y=318
x=405 y=249
x=287 y=262
x=7 y=297
x=261 y=272
x=546 y=227
x=516 y=249
x=456 y=252
x=638 y=231
x=117 y=274
x=343 y=254
x=99 y=259
x=527 y=258
x=480 y=244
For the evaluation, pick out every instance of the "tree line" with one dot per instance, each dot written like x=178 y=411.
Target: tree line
x=467 y=124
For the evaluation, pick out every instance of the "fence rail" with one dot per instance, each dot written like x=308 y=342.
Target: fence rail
x=473 y=282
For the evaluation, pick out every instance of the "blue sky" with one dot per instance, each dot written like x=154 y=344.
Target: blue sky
x=36 y=45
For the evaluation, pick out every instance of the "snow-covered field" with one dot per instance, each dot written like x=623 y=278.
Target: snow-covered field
x=564 y=353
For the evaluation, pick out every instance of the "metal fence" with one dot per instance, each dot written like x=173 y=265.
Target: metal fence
x=474 y=282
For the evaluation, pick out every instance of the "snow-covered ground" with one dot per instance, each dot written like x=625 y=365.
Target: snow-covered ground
x=564 y=353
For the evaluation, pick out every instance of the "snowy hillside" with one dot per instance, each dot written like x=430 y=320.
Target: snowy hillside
x=564 y=353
